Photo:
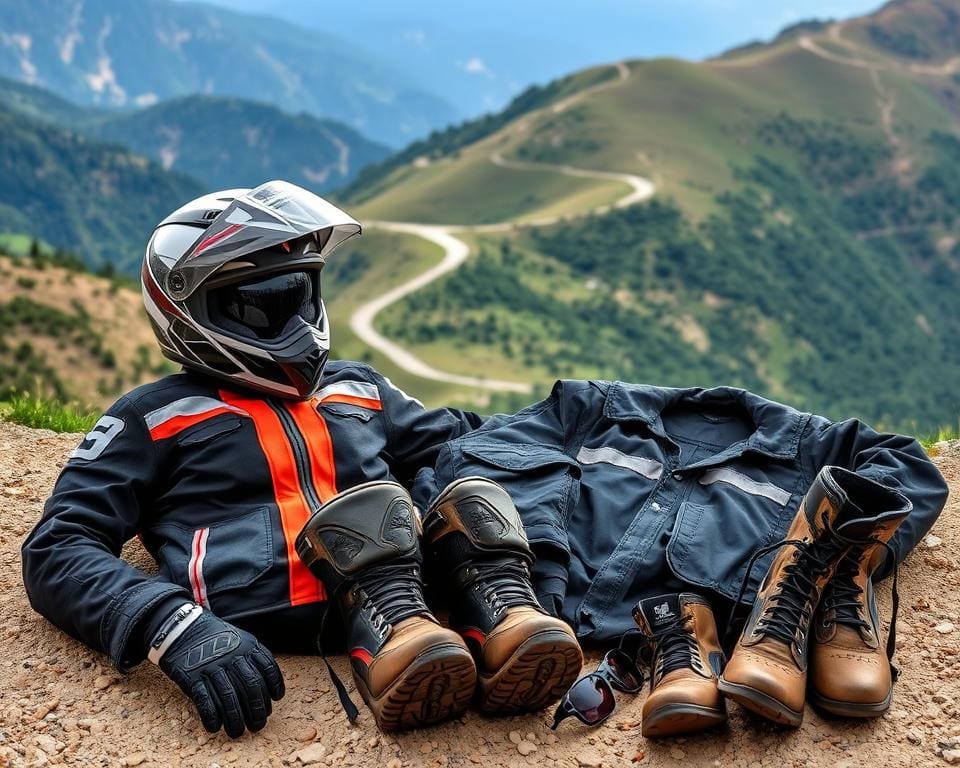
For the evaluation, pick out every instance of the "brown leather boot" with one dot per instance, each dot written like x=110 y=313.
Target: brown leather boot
x=479 y=552
x=767 y=672
x=685 y=659
x=364 y=545
x=851 y=672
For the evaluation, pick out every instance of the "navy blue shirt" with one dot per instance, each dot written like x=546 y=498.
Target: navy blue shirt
x=629 y=491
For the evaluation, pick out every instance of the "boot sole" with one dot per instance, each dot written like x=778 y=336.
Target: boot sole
x=675 y=719
x=438 y=685
x=761 y=703
x=850 y=709
x=539 y=672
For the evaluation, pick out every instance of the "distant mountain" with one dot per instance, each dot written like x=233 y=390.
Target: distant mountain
x=230 y=142
x=223 y=142
x=96 y=199
x=479 y=55
x=803 y=241
x=117 y=53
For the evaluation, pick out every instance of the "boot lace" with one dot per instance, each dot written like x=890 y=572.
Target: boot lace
x=842 y=596
x=503 y=582
x=671 y=647
x=788 y=613
x=391 y=593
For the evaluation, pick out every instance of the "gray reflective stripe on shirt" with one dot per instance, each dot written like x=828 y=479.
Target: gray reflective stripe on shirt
x=744 y=483
x=362 y=389
x=187 y=406
x=649 y=468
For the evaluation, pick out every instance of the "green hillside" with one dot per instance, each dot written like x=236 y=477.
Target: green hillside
x=229 y=142
x=92 y=198
x=802 y=242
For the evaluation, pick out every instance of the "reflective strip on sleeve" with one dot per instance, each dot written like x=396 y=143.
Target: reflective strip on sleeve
x=198 y=551
x=360 y=393
x=177 y=416
x=744 y=483
x=649 y=468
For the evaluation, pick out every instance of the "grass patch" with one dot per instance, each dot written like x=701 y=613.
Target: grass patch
x=929 y=441
x=39 y=413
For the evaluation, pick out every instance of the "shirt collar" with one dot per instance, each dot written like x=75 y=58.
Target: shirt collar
x=777 y=427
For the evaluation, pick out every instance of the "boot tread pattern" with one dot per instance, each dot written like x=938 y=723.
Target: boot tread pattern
x=539 y=673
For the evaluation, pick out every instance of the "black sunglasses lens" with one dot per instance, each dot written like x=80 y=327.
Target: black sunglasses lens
x=623 y=671
x=591 y=699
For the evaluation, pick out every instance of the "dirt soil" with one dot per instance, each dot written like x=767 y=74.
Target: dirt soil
x=61 y=703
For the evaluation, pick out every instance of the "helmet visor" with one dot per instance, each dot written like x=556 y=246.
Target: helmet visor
x=263 y=307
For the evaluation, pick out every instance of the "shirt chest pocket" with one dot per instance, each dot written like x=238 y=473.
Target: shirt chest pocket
x=226 y=555
x=540 y=480
x=729 y=514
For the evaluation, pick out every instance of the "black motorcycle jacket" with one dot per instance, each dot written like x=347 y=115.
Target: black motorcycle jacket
x=217 y=483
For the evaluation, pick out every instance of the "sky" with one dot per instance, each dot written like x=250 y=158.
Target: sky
x=477 y=54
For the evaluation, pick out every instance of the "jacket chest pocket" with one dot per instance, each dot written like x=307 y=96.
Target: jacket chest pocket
x=729 y=515
x=540 y=480
x=226 y=555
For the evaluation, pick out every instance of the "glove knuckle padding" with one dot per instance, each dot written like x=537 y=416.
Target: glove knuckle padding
x=229 y=676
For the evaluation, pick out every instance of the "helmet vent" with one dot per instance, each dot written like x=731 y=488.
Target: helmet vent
x=211 y=215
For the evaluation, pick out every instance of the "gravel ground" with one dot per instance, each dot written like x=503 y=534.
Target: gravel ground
x=63 y=704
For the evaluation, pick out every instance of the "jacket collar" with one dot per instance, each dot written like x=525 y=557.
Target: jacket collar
x=777 y=427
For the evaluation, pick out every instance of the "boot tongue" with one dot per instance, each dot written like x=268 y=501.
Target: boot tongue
x=658 y=612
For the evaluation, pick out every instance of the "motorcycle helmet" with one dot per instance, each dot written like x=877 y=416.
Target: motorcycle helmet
x=231 y=283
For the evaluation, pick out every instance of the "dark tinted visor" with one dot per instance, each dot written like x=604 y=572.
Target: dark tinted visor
x=264 y=307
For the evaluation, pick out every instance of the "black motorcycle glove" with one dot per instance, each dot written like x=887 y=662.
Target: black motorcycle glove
x=230 y=677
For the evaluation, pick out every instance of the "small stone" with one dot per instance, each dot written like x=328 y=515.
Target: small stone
x=49 y=744
x=952 y=742
x=102 y=681
x=526 y=747
x=426 y=749
x=46 y=708
x=394 y=763
x=530 y=737
x=135 y=759
x=515 y=737
x=914 y=736
x=677 y=753
x=311 y=754
x=307 y=734
x=638 y=756
x=932 y=542
x=952 y=756
x=589 y=760
x=945 y=628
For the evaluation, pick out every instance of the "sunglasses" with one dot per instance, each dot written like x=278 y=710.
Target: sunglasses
x=591 y=699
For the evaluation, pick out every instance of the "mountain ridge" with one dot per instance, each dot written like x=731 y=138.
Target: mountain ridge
x=101 y=52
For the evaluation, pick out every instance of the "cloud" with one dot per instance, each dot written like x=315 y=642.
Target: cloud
x=416 y=36
x=475 y=66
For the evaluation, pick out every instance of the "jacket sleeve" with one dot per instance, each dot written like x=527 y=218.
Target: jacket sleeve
x=897 y=461
x=72 y=569
x=414 y=433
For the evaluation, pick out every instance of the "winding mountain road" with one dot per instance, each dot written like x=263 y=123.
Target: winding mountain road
x=456 y=251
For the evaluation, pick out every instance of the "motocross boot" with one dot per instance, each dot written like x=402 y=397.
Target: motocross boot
x=683 y=651
x=851 y=673
x=365 y=547
x=478 y=549
x=767 y=672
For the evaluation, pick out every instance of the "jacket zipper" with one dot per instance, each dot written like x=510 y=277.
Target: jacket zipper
x=301 y=455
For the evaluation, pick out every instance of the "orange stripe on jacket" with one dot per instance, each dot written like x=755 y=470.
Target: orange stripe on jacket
x=171 y=427
x=319 y=445
x=294 y=510
x=363 y=402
